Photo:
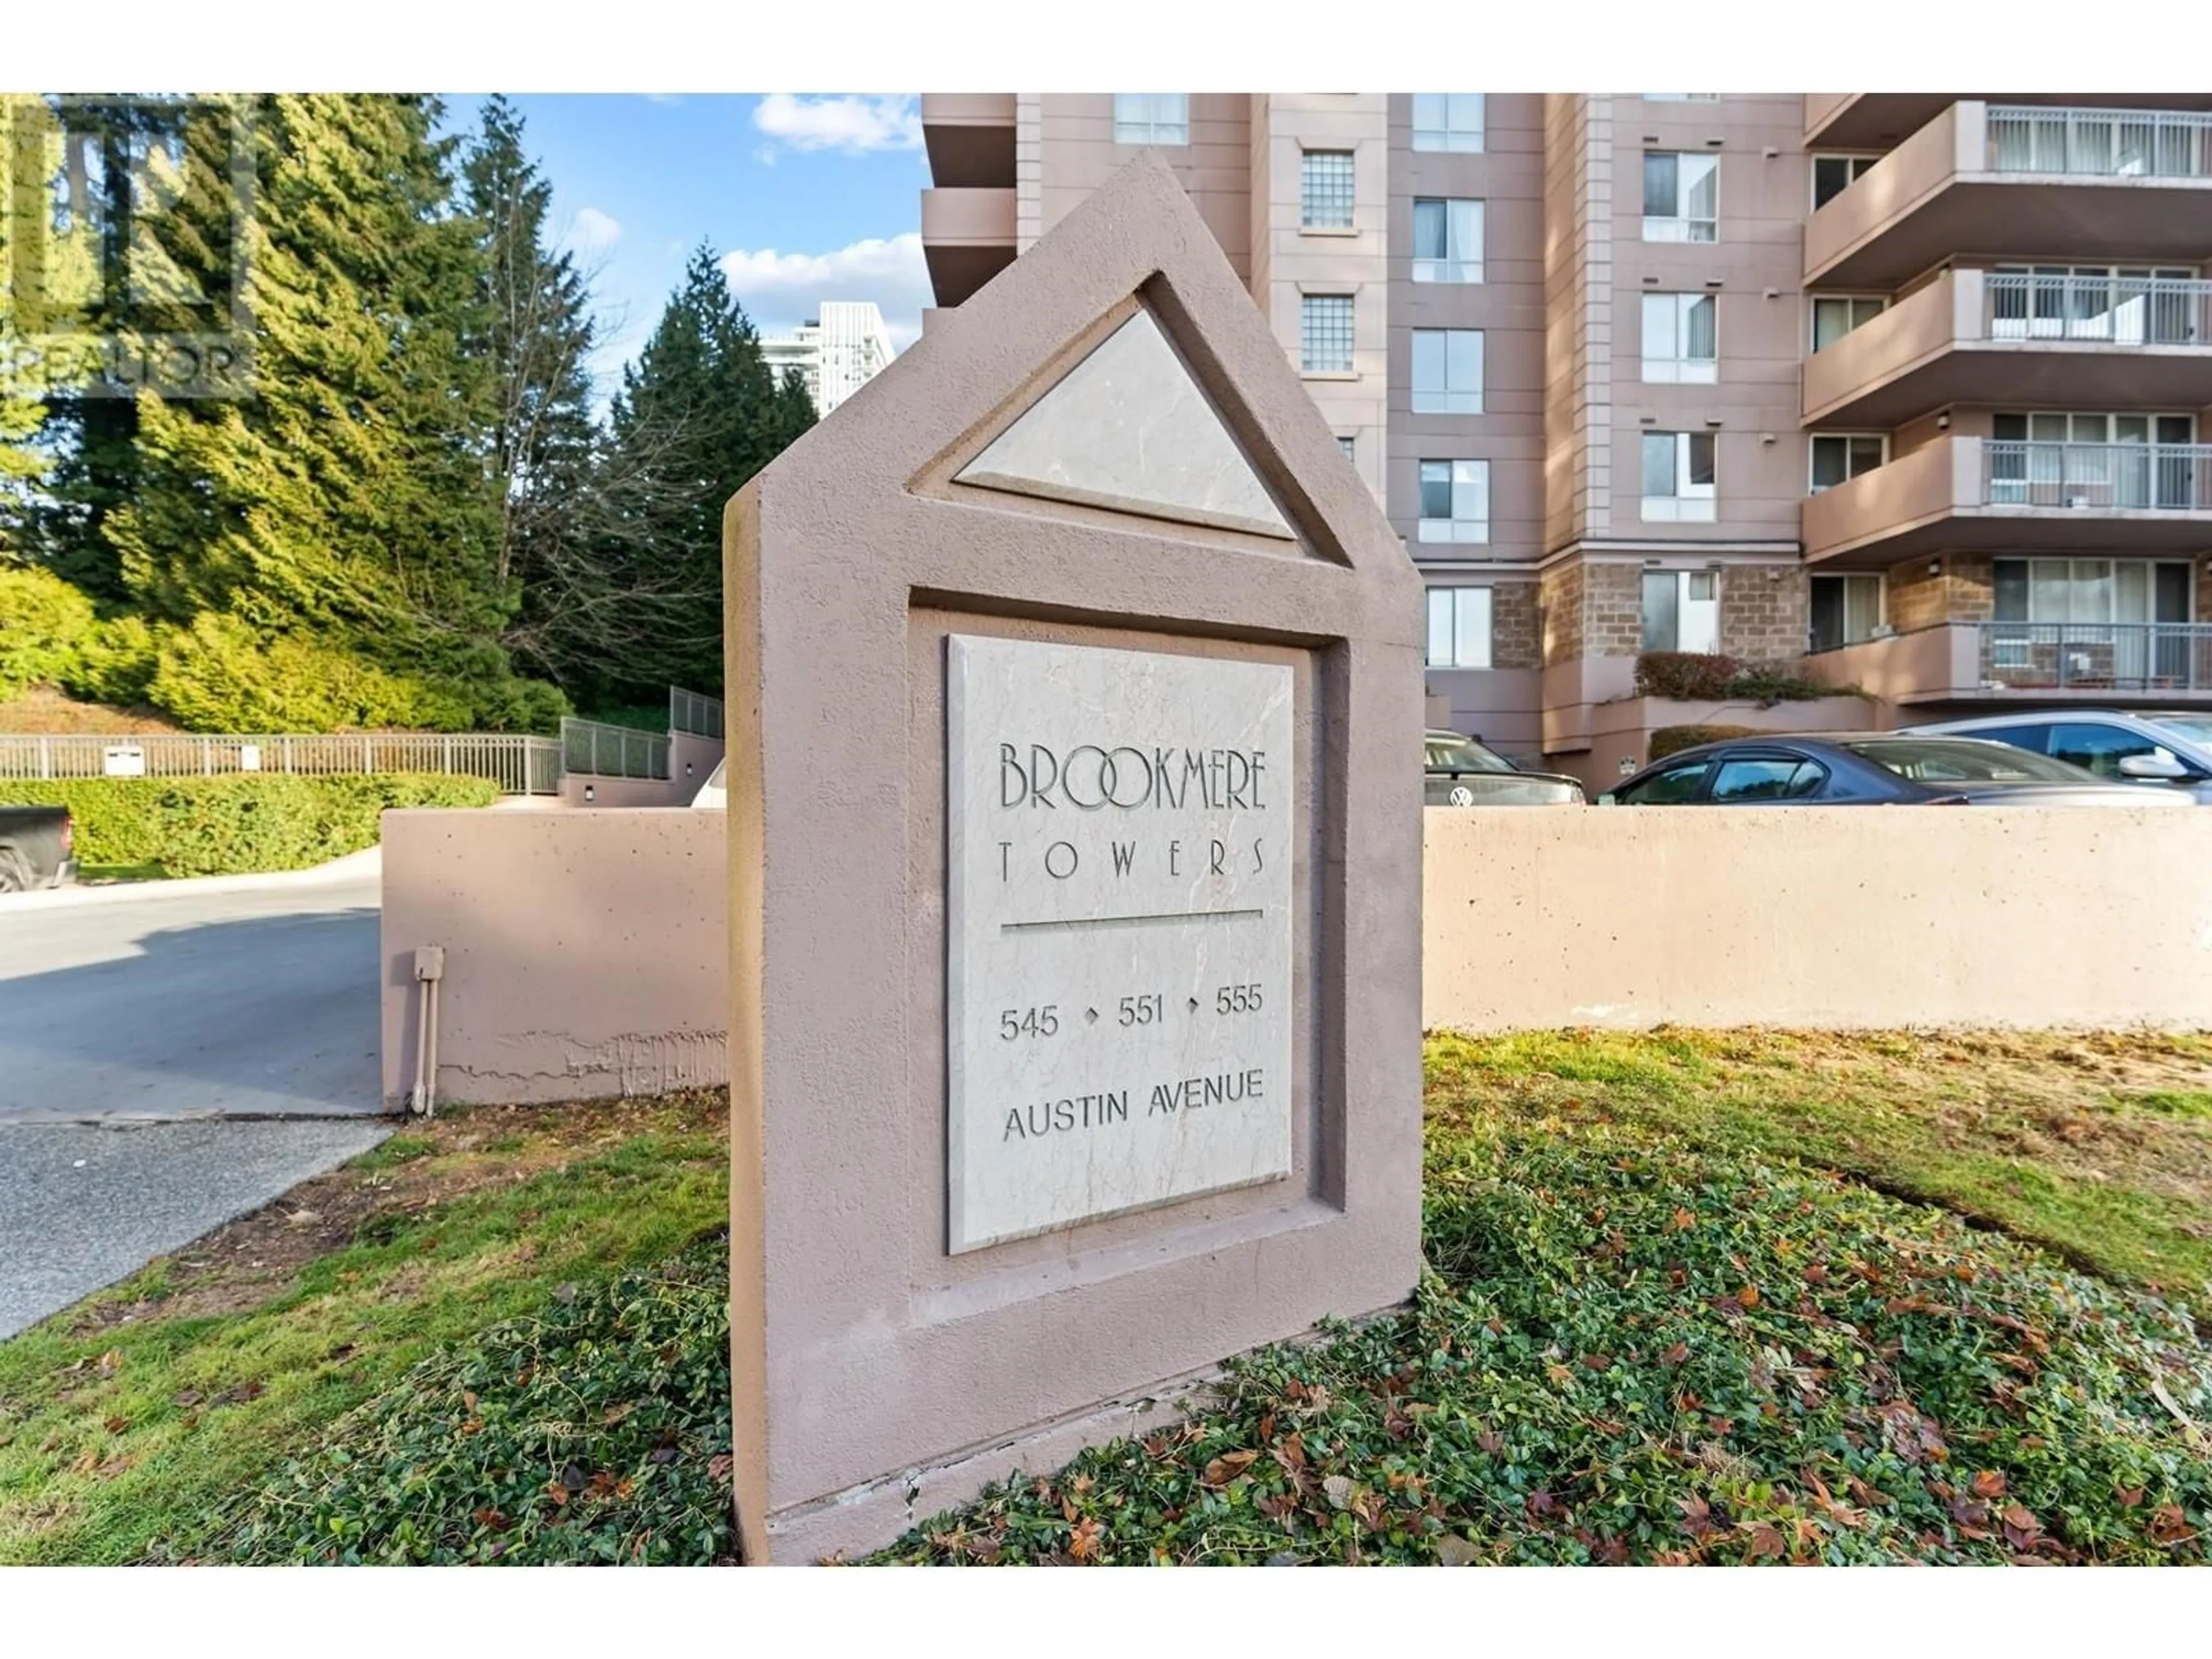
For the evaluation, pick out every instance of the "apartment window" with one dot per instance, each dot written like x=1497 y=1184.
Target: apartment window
x=1325 y=333
x=1834 y=174
x=1325 y=190
x=1447 y=240
x=1448 y=120
x=1678 y=477
x=1682 y=97
x=1152 y=117
x=1459 y=627
x=2090 y=591
x=1682 y=610
x=1681 y=340
x=1448 y=371
x=1454 y=502
x=2090 y=460
x=1681 y=196
x=1349 y=446
x=1839 y=456
x=1846 y=610
x=1835 y=315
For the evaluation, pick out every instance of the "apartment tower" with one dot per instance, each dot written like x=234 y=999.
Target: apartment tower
x=1901 y=391
x=837 y=352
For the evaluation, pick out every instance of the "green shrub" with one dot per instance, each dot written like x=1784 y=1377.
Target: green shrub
x=222 y=675
x=43 y=622
x=115 y=664
x=1669 y=739
x=237 y=825
x=1685 y=675
x=595 y=1431
x=1708 y=676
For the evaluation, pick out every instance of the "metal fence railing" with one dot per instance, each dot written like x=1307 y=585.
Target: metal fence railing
x=594 y=748
x=2098 y=656
x=2119 y=310
x=700 y=715
x=520 y=765
x=2093 y=477
x=2107 y=143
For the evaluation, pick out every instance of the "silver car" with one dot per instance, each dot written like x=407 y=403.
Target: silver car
x=1463 y=772
x=2168 y=752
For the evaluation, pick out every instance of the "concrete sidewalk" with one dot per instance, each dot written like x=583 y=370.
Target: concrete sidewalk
x=80 y=1208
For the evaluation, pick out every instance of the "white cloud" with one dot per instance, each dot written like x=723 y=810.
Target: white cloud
x=781 y=290
x=593 y=232
x=663 y=97
x=846 y=123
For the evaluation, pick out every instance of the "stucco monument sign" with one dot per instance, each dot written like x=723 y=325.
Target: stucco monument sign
x=1074 y=693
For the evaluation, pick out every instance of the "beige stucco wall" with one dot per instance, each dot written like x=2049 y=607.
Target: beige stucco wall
x=1824 y=917
x=587 y=951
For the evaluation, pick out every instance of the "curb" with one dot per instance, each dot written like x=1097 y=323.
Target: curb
x=366 y=862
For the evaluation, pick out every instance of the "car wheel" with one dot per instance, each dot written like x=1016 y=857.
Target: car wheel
x=15 y=872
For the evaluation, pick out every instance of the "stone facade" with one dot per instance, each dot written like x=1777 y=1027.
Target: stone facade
x=1613 y=622
x=1515 y=626
x=1765 y=613
x=1960 y=590
x=1560 y=604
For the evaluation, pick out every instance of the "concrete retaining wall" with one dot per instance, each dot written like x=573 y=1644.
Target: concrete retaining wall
x=587 y=951
x=1827 y=917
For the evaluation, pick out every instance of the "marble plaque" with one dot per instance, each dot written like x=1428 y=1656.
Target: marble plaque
x=1118 y=928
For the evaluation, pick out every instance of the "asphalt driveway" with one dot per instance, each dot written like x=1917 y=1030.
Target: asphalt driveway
x=225 y=998
x=173 y=1057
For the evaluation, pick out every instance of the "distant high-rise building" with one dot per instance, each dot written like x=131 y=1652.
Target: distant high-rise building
x=837 y=352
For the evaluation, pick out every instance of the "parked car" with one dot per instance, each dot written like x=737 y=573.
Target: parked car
x=1870 y=768
x=37 y=847
x=1465 y=772
x=2165 y=751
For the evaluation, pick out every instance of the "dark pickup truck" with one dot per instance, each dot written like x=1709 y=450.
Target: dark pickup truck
x=35 y=846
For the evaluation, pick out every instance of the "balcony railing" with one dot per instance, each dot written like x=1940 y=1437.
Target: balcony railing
x=2098 y=477
x=2103 y=143
x=2122 y=311
x=2097 y=656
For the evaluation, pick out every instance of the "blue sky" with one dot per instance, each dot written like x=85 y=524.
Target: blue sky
x=804 y=199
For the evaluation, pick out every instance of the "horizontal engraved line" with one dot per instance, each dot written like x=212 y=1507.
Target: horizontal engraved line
x=1073 y=922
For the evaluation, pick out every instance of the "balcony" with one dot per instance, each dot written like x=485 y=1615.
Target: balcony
x=1976 y=336
x=966 y=238
x=1979 y=495
x=969 y=136
x=1878 y=120
x=2026 y=662
x=2025 y=180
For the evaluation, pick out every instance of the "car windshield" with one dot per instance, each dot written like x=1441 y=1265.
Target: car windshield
x=1954 y=760
x=2195 y=728
x=1465 y=755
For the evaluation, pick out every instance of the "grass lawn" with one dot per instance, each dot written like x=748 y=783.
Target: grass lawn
x=2097 y=1147
x=1689 y=1297
x=131 y=1424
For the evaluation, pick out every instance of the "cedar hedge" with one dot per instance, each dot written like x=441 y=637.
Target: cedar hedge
x=1671 y=739
x=236 y=825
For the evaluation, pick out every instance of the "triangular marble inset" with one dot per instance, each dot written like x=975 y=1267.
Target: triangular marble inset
x=1128 y=429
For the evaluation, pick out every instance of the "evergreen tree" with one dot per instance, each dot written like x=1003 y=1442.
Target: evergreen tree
x=353 y=497
x=539 y=341
x=699 y=413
